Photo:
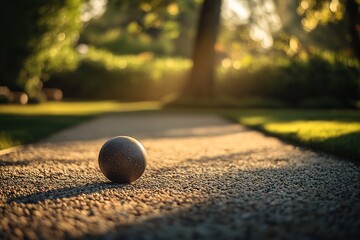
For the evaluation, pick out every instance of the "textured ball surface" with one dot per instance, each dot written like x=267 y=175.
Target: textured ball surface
x=122 y=159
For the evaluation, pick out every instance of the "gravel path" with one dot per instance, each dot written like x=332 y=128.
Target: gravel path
x=206 y=179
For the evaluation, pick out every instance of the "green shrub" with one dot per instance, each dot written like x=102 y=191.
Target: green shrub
x=38 y=98
x=314 y=82
x=103 y=75
x=252 y=102
x=321 y=103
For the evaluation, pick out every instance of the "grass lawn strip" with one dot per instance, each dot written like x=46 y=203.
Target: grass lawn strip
x=336 y=132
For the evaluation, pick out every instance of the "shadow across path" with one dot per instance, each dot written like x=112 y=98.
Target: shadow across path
x=66 y=192
x=308 y=202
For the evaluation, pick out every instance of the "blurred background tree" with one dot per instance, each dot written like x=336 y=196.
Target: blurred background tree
x=131 y=27
x=201 y=81
x=304 y=56
x=339 y=16
x=38 y=38
x=281 y=51
x=318 y=25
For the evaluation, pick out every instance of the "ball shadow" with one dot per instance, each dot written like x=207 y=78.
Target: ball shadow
x=66 y=192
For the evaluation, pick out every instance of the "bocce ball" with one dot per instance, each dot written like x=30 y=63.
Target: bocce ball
x=122 y=159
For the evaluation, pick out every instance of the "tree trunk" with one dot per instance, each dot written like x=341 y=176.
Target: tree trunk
x=352 y=10
x=201 y=81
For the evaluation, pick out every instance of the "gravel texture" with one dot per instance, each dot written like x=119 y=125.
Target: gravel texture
x=206 y=179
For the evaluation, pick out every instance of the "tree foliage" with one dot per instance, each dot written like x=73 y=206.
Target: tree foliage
x=344 y=14
x=37 y=39
x=320 y=12
x=131 y=27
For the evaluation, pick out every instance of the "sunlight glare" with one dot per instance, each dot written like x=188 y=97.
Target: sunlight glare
x=234 y=12
x=92 y=9
x=259 y=34
x=226 y=63
x=173 y=9
x=265 y=19
x=334 y=5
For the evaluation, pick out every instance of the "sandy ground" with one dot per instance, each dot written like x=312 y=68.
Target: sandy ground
x=206 y=179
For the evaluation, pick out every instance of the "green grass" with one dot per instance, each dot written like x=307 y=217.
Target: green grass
x=20 y=124
x=17 y=130
x=333 y=131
